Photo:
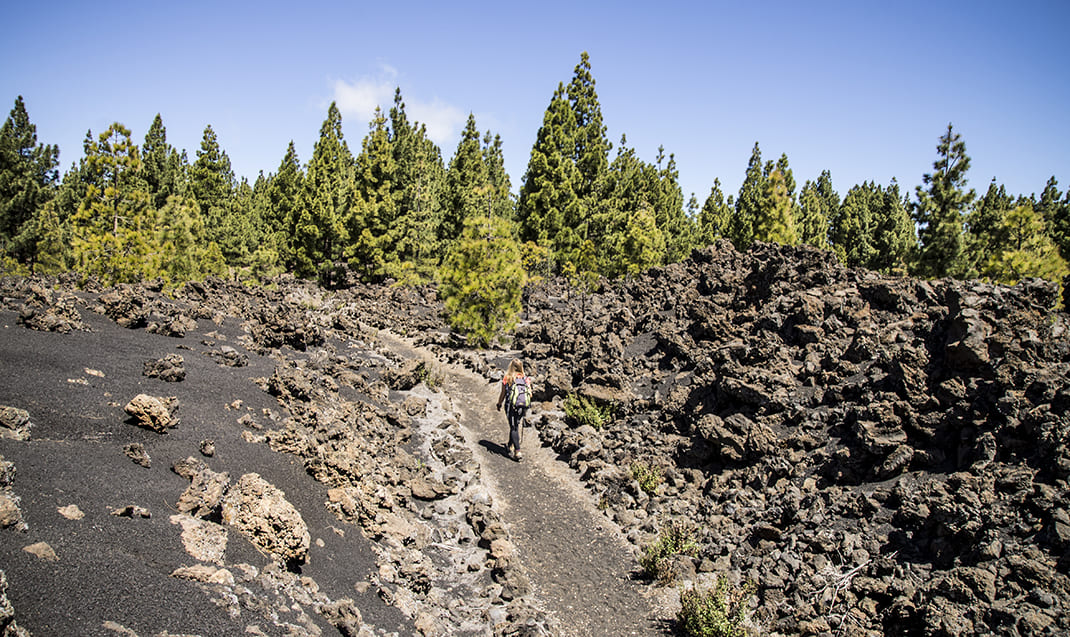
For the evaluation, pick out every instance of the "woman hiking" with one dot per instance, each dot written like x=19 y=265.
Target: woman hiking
x=516 y=394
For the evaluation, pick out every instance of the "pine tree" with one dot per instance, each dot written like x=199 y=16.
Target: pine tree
x=775 y=219
x=466 y=183
x=482 y=278
x=940 y=210
x=181 y=239
x=852 y=227
x=280 y=222
x=1056 y=215
x=714 y=217
x=213 y=185
x=326 y=203
x=1028 y=250
x=114 y=229
x=984 y=227
x=677 y=228
x=893 y=236
x=420 y=182
x=27 y=181
x=376 y=189
x=644 y=242
x=813 y=222
x=748 y=204
x=591 y=154
x=549 y=194
x=623 y=191
x=163 y=168
x=50 y=238
x=501 y=199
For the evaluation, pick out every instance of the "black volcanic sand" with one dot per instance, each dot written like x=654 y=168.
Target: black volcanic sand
x=117 y=569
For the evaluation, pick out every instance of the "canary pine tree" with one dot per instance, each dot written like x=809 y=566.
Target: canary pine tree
x=812 y=222
x=28 y=179
x=377 y=206
x=1027 y=251
x=940 y=211
x=280 y=219
x=114 y=229
x=713 y=218
x=894 y=239
x=748 y=204
x=775 y=218
x=420 y=180
x=163 y=167
x=482 y=278
x=325 y=203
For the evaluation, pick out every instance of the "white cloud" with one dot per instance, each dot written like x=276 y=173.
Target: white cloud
x=357 y=101
x=444 y=121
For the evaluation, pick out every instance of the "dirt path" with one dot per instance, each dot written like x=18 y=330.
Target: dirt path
x=581 y=568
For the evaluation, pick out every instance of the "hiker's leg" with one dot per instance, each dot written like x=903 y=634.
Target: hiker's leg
x=514 y=429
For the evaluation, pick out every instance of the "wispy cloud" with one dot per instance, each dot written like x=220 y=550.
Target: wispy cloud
x=360 y=98
x=444 y=121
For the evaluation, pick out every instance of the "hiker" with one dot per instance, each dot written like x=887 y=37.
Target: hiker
x=516 y=394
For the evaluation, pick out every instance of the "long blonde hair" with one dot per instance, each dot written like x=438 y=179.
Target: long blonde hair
x=516 y=368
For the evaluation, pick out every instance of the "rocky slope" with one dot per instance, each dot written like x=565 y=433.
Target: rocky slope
x=876 y=455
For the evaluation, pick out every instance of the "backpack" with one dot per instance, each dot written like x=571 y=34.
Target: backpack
x=519 y=393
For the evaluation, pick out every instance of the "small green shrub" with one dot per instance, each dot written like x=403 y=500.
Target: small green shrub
x=430 y=375
x=584 y=411
x=677 y=539
x=648 y=477
x=717 y=612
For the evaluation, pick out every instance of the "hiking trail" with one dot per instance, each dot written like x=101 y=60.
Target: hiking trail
x=582 y=570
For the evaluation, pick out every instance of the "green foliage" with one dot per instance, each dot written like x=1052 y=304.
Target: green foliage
x=580 y=411
x=714 y=216
x=775 y=218
x=740 y=229
x=226 y=217
x=326 y=205
x=813 y=220
x=591 y=151
x=114 y=229
x=163 y=168
x=548 y=196
x=482 y=278
x=375 y=206
x=1056 y=215
x=676 y=539
x=413 y=243
x=1027 y=250
x=181 y=239
x=717 y=612
x=280 y=216
x=894 y=238
x=27 y=182
x=468 y=190
x=647 y=476
x=940 y=211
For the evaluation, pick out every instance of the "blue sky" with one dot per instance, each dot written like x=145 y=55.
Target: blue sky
x=862 y=89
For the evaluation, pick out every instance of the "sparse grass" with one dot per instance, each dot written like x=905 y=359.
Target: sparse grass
x=430 y=375
x=720 y=611
x=584 y=411
x=648 y=477
x=677 y=539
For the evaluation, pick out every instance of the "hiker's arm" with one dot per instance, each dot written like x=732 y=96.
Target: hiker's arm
x=501 y=397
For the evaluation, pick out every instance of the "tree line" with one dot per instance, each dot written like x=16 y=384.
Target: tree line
x=396 y=210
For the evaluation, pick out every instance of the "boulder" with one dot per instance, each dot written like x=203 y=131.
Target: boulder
x=261 y=512
x=170 y=368
x=152 y=412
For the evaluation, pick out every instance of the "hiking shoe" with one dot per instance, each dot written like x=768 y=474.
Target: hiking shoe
x=518 y=456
